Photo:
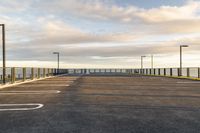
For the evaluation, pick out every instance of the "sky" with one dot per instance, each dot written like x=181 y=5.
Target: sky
x=101 y=33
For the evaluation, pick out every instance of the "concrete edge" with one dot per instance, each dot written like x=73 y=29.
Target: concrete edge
x=27 y=81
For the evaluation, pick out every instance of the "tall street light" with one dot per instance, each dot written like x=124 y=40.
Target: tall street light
x=142 y=63
x=58 y=55
x=181 y=46
x=4 y=54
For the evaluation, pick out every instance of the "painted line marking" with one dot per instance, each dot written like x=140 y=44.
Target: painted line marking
x=52 y=81
x=38 y=106
x=43 y=85
x=29 y=92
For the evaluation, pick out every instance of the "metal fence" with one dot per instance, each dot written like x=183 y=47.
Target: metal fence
x=19 y=74
x=173 y=72
x=192 y=72
x=99 y=71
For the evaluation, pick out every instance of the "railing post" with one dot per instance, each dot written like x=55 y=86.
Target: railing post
x=38 y=73
x=55 y=71
x=165 y=72
x=178 y=70
x=171 y=73
x=154 y=71
x=67 y=71
x=44 y=72
x=47 y=72
x=24 y=74
x=158 y=71
x=12 y=75
x=52 y=71
x=188 y=72
x=32 y=73
x=84 y=71
x=198 y=72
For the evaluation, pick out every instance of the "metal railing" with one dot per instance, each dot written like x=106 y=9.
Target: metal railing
x=99 y=71
x=19 y=74
x=191 y=72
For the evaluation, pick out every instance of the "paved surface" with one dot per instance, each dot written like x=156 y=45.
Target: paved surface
x=101 y=105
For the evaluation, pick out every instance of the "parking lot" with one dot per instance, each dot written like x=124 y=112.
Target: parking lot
x=101 y=104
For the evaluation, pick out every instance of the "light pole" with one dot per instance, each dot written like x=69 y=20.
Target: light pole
x=4 y=54
x=181 y=46
x=58 y=55
x=142 y=63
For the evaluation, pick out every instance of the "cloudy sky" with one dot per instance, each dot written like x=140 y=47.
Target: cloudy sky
x=101 y=33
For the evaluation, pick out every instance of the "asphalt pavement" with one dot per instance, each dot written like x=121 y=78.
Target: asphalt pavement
x=101 y=104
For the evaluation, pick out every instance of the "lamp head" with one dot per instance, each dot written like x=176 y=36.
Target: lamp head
x=55 y=52
x=184 y=46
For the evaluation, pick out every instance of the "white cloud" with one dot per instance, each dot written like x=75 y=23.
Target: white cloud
x=164 y=19
x=167 y=13
x=15 y=6
x=99 y=10
x=36 y=28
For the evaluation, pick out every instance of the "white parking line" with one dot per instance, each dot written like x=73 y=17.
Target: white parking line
x=188 y=82
x=29 y=92
x=38 y=106
x=52 y=82
x=47 y=85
